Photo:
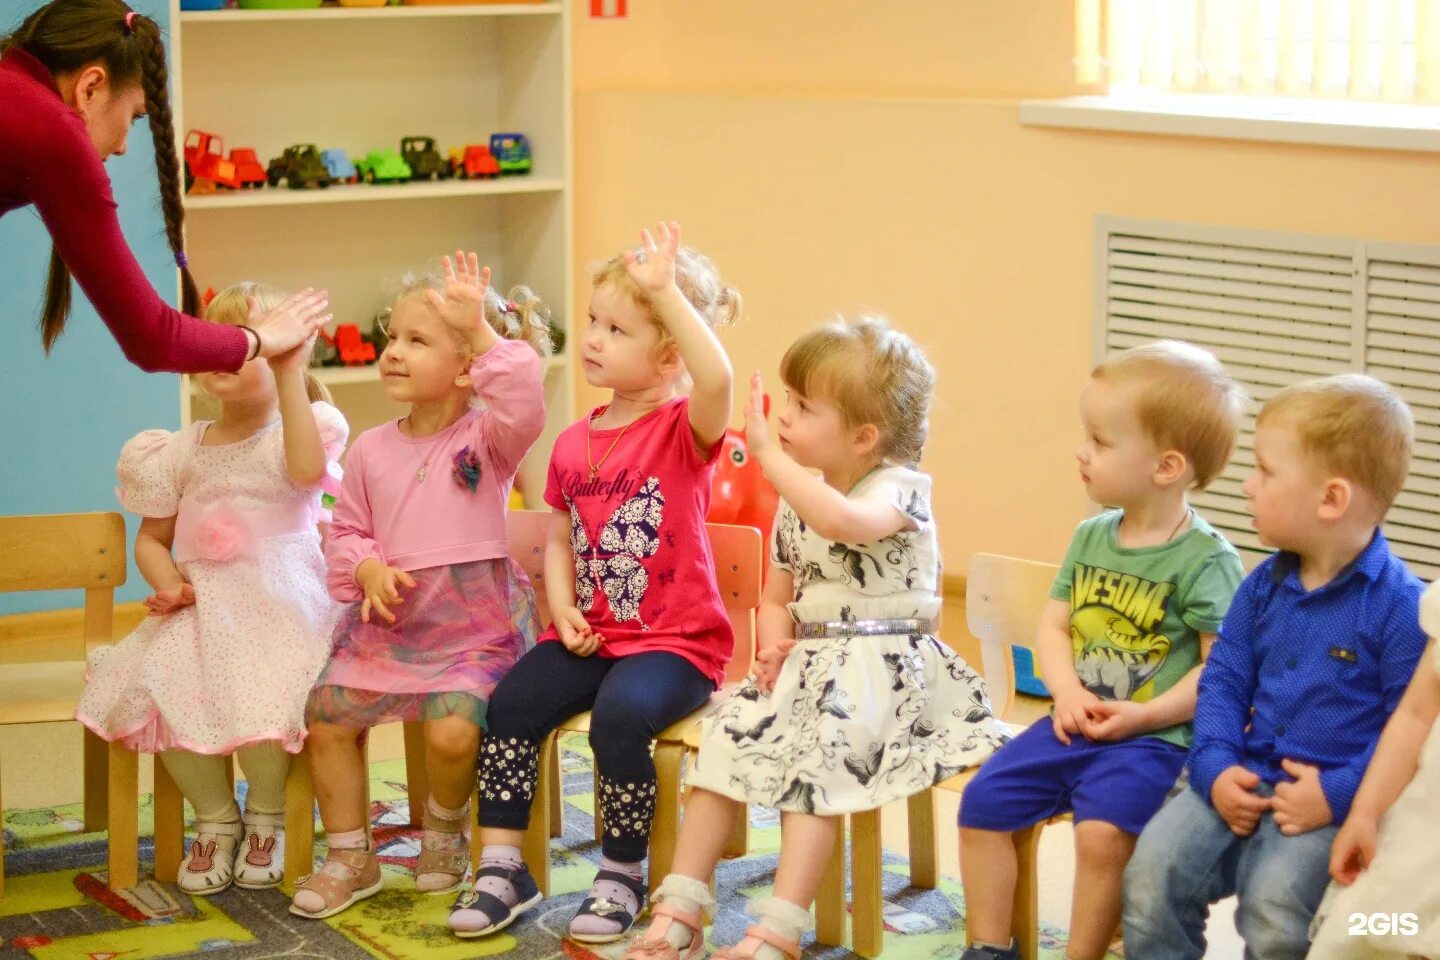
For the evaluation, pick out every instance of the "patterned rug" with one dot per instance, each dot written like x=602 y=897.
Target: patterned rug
x=56 y=906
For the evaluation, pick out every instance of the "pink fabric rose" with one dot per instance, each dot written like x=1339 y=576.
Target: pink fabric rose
x=331 y=481
x=223 y=536
x=332 y=438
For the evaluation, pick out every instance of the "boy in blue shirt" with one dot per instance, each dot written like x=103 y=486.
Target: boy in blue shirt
x=1313 y=656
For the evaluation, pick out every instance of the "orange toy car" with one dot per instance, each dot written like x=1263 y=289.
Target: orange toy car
x=205 y=160
x=474 y=161
x=248 y=171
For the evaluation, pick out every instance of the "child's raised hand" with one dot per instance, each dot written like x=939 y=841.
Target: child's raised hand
x=463 y=305
x=1354 y=848
x=164 y=602
x=1301 y=806
x=652 y=267
x=1235 y=799
x=576 y=633
x=757 y=426
x=296 y=359
x=381 y=583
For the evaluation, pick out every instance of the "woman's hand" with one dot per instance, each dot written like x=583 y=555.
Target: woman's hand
x=293 y=321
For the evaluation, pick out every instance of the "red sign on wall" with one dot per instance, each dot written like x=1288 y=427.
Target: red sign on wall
x=607 y=9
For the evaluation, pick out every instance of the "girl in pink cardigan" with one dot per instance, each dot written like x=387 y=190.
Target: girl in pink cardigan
x=437 y=611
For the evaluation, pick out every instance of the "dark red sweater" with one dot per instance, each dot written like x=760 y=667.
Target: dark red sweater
x=48 y=159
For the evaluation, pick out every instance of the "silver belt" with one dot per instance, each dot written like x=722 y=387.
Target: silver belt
x=829 y=629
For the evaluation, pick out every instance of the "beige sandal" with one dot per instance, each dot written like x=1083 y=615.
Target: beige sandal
x=790 y=948
x=446 y=863
x=646 y=948
x=347 y=877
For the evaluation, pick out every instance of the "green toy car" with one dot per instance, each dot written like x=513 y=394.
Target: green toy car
x=383 y=166
x=299 y=166
x=424 y=160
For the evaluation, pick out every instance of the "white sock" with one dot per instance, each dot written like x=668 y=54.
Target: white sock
x=787 y=919
x=689 y=895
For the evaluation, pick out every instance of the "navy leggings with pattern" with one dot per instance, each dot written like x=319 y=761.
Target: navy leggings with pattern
x=631 y=698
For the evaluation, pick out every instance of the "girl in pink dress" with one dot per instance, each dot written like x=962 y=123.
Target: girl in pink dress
x=437 y=612
x=640 y=635
x=239 y=622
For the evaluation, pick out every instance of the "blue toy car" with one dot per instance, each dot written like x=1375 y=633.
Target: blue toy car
x=339 y=166
x=511 y=151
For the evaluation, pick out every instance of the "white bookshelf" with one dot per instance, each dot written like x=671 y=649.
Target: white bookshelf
x=358 y=79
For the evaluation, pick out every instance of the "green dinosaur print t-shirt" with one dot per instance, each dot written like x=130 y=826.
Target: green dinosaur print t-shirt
x=1136 y=614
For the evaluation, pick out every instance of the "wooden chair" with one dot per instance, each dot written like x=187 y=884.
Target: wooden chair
x=527 y=531
x=63 y=552
x=738 y=553
x=1004 y=599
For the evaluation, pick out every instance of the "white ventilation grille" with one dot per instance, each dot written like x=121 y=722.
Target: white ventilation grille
x=1275 y=309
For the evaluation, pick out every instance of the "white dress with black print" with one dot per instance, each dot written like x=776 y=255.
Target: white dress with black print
x=854 y=722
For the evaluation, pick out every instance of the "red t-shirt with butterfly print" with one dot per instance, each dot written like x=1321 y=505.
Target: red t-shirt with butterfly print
x=644 y=576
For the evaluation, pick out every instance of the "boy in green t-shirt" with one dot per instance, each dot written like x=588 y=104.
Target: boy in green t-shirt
x=1139 y=598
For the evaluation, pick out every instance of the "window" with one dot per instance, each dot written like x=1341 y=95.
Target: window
x=1333 y=49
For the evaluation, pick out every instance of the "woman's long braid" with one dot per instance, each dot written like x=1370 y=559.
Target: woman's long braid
x=154 y=79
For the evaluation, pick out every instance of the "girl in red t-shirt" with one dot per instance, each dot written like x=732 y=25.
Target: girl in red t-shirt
x=640 y=634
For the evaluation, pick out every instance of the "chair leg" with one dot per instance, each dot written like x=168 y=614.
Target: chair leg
x=417 y=780
x=299 y=820
x=867 y=923
x=169 y=824
x=2 y=854
x=536 y=846
x=122 y=816
x=830 y=898
x=599 y=819
x=923 y=850
x=738 y=843
x=476 y=845
x=665 y=827
x=1025 y=922
x=97 y=780
x=557 y=796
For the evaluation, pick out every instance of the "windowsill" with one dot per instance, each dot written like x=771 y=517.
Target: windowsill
x=1380 y=126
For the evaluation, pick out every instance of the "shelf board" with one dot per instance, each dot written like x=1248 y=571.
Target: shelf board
x=367 y=193
x=427 y=12
x=370 y=373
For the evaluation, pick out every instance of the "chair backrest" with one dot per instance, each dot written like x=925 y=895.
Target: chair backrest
x=67 y=551
x=738 y=553
x=1004 y=599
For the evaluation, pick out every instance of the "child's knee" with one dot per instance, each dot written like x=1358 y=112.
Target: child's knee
x=1103 y=845
x=452 y=740
x=332 y=737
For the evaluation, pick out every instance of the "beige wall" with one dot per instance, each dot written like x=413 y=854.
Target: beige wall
x=833 y=154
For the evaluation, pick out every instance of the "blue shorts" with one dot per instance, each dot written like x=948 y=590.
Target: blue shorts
x=1035 y=777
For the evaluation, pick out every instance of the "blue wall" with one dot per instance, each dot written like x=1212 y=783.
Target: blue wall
x=65 y=417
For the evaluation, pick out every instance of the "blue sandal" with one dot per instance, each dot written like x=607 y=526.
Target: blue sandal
x=611 y=910
x=490 y=907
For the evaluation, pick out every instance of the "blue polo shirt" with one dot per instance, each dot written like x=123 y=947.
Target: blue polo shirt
x=1308 y=676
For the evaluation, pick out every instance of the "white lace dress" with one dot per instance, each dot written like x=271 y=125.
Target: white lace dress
x=1404 y=877
x=854 y=722
x=235 y=667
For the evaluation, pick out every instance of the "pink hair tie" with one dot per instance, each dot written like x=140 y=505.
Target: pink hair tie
x=130 y=23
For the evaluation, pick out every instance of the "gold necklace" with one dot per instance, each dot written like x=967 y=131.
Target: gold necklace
x=589 y=427
x=425 y=462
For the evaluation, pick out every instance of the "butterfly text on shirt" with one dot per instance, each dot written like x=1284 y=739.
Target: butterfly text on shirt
x=578 y=485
